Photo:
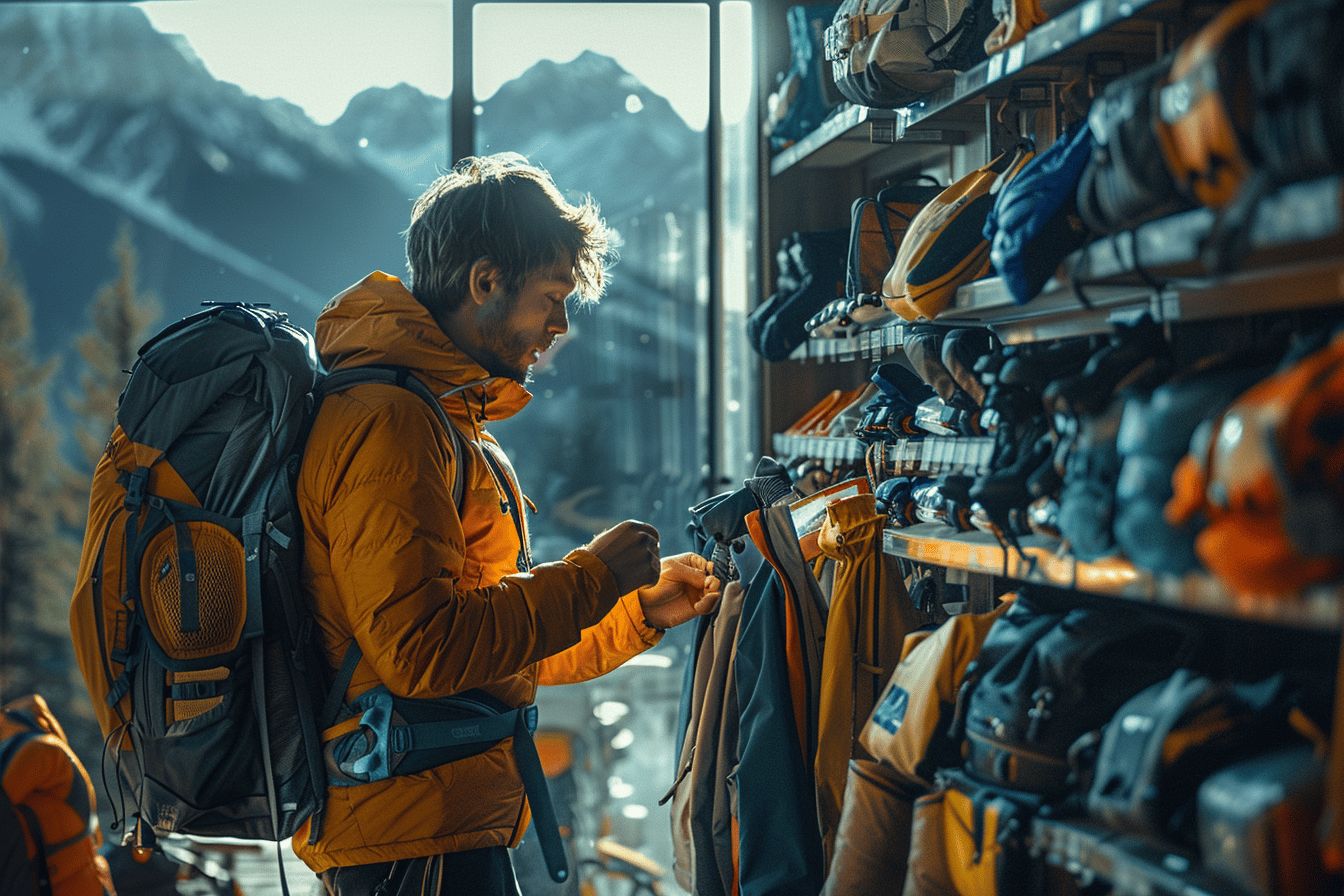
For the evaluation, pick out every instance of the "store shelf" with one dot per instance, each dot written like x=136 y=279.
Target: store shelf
x=839 y=140
x=871 y=344
x=846 y=136
x=827 y=449
x=931 y=456
x=1307 y=218
x=1042 y=562
x=1131 y=865
x=938 y=456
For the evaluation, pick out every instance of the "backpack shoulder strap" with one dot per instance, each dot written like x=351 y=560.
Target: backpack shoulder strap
x=350 y=377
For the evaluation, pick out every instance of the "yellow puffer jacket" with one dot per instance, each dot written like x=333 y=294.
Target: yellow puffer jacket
x=433 y=597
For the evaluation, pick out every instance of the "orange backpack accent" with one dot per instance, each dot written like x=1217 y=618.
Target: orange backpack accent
x=1270 y=479
x=945 y=247
x=53 y=801
x=1204 y=109
x=1016 y=18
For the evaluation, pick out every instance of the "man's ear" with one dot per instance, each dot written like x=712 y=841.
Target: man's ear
x=483 y=281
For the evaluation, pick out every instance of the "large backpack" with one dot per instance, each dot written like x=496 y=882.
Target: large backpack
x=195 y=641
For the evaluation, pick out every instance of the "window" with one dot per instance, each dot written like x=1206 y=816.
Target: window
x=160 y=154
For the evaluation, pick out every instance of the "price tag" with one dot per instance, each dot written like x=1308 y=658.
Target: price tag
x=1090 y=17
x=1016 y=55
x=996 y=66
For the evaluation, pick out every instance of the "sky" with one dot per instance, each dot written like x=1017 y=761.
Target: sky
x=319 y=53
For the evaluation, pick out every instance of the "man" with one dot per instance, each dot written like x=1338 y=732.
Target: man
x=437 y=596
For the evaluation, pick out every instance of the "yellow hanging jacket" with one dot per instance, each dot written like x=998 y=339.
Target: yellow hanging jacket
x=870 y=615
x=432 y=595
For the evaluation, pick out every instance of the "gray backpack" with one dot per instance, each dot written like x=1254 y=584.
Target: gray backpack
x=888 y=53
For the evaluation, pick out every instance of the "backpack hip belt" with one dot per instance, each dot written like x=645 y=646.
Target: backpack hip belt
x=381 y=735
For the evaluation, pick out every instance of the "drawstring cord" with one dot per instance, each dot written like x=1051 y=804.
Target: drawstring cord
x=118 y=806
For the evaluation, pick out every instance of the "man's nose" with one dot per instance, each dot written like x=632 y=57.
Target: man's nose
x=558 y=324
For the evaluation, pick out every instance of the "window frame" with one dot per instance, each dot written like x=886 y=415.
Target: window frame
x=462 y=140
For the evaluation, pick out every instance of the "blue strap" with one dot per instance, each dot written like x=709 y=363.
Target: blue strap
x=186 y=575
x=254 y=526
x=336 y=696
x=455 y=733
x=197 y=690
x=539 y=795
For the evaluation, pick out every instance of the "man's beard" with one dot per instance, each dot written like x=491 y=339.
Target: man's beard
x=502 y=347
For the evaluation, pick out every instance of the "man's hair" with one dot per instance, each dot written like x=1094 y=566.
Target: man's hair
x=505 y=209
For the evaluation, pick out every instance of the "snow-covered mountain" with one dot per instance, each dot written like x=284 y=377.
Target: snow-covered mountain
x=104 y=119
x=590 y=122
x=400 y=130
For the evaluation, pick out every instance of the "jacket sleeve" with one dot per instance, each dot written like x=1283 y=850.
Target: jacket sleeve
x=621 y=634
x=397 y=551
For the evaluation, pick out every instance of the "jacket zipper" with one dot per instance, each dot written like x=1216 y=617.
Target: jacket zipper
x=508 y=503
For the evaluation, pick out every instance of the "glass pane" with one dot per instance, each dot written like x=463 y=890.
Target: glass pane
x=739 y=420
x=613 y=99
x=153 y=156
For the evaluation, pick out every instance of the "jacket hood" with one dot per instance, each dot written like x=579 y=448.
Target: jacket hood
x=378 y=321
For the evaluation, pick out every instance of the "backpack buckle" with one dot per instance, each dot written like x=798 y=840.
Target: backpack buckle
x=137 y=483
x=531 y=717
x=376 y=723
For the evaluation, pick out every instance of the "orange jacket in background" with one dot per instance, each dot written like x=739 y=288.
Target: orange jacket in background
x=42 y=774
x=433 y=596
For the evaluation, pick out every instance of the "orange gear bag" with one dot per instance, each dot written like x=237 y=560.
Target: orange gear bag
x=1269 y=477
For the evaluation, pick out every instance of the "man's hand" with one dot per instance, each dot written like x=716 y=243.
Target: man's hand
x=630 y=551
x=687 y=588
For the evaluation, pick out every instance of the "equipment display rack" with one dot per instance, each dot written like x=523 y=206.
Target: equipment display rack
x=1294 y=262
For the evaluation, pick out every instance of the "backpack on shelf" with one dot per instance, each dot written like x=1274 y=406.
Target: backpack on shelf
x=805 y=95
x=888 y=53
x=1053 y=683
x=945 y=248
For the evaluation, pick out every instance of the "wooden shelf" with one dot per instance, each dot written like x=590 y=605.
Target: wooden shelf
x=1130 y=864
x=1041 y=561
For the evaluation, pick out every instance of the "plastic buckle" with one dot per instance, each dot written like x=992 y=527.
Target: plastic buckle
x=377 y=720
x=136 y=485
x=531 y=717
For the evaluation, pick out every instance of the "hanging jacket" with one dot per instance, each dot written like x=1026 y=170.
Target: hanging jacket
x=431 y=592
x=52 y=800
x=870 y=615
x=693 y=798
x=776 y=674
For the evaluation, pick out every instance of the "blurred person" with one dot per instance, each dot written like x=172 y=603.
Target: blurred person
x=439 y=598
x=48 y=817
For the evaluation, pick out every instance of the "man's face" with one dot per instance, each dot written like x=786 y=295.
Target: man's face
x=517 y=327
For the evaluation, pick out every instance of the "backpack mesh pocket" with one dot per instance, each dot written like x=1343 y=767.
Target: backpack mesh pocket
x=211 y=622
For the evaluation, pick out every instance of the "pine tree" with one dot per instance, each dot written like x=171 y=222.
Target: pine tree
x=37 y=557
x=120 y=318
